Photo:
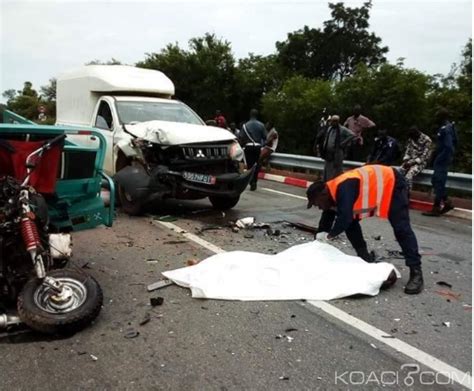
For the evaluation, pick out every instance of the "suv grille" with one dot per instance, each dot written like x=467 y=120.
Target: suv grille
x=205 y=152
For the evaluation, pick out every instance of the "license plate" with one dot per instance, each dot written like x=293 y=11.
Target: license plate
x=199 y=178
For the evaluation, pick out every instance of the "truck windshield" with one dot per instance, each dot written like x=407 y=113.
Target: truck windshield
x=132 y=112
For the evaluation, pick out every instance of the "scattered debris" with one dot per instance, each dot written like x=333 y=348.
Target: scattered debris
x=167 y=218
x=248 y=236
x=208 y=228
x=156 y=301
x=397 y=319
x=290 y=339
x=303 y=227
x=129 y=244
x=81 y=352
x=375 y=347
x=192 y=262
x=246 y=222
x=467 y=307
x=388 y=336
x=279 y=336
x=395 y=254
x=293 y=316
x=412 y=332
x=86 y=266
x=377 y=237
x=145 y=319
x=444 y=283
x=175 y=242
x=447 y=324
x=131 y=334
x=284 y=378
x=451 y=295
x=235 y=229
x=94 y=358
x=151 y=260
x=159 y=284
x=289 y=330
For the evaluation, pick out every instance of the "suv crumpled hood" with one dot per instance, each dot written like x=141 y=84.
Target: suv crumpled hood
x=177 y=133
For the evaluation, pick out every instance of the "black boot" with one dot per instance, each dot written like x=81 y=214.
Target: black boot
x=415 y=282
x=435 y=211
x=365 y=255
x=448 y=205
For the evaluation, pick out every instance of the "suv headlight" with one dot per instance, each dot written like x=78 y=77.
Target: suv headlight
x=236 y=152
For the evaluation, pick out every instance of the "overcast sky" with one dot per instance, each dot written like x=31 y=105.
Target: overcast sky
x=40 y=39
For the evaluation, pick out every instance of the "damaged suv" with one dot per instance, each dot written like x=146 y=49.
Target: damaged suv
x=157 y=148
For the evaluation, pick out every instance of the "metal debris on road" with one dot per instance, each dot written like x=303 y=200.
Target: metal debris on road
x=145 y=319
x=166 y=218
x=200 y=230
x=284 y=378
x=289 y=330
x=377 y=237
x=156 y=301
x=444 y=283
x=159 y=284
x=94 y=358
x=303 y=227
x=131 y=334
x=246 y=222
x=447 y=324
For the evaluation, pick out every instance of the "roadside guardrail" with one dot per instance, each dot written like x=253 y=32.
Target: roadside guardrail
x=456 y=181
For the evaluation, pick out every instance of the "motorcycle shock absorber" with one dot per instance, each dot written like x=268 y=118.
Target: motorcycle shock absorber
x=29 y=232
x=32 y=241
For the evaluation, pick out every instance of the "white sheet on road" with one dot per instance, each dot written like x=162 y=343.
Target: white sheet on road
x=311 y=271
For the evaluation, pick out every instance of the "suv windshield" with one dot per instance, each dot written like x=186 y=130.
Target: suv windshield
x=132 y=112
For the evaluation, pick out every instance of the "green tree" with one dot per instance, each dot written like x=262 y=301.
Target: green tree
x=255 y=77
x=204 y=74
x=454 y=92
x=295 y=109
x=334 y=51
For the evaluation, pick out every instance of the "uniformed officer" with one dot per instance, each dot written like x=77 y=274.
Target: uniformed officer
x=446 y=143
x=371 y=190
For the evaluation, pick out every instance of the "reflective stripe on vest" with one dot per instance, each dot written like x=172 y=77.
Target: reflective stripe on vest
x=375 y=191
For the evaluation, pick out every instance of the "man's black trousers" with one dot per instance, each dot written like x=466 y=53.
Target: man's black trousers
x=252 y=156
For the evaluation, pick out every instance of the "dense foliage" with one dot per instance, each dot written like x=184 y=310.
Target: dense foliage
x=335 y=67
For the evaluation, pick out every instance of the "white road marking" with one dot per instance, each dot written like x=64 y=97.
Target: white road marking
x=283 y=193
x=450 y=372
x=192 y=237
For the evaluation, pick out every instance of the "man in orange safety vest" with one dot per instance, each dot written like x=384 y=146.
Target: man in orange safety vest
x=371 y=190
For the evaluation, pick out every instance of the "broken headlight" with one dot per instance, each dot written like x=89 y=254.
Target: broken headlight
x=236 y=152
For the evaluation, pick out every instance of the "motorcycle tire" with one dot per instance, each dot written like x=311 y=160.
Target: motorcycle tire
x=36 y=311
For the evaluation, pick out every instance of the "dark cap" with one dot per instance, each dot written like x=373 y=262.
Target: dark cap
x=312 y=191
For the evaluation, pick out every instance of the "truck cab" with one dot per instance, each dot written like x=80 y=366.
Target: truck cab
x=157 y=147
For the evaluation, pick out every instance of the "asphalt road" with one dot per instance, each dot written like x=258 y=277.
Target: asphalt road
x=223 y=345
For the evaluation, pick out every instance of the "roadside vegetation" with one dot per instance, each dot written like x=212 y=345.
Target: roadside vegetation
x=333 y=66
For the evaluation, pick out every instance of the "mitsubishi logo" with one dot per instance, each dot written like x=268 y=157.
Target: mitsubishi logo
x=200 y=153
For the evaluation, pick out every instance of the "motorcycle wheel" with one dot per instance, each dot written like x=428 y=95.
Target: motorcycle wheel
x=39 y=309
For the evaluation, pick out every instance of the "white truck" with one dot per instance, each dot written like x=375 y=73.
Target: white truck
x=157 y=147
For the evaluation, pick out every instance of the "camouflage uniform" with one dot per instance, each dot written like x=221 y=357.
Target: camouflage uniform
x=416 y=157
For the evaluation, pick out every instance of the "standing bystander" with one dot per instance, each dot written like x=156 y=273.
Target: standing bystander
x=446 y=143
x=416 y=155
x=253 y=136
x=357 y=123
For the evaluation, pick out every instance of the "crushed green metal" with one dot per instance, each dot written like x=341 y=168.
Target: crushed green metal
x=77 y=203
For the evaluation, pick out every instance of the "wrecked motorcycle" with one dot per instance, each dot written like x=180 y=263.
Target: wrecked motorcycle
x=49 y=298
